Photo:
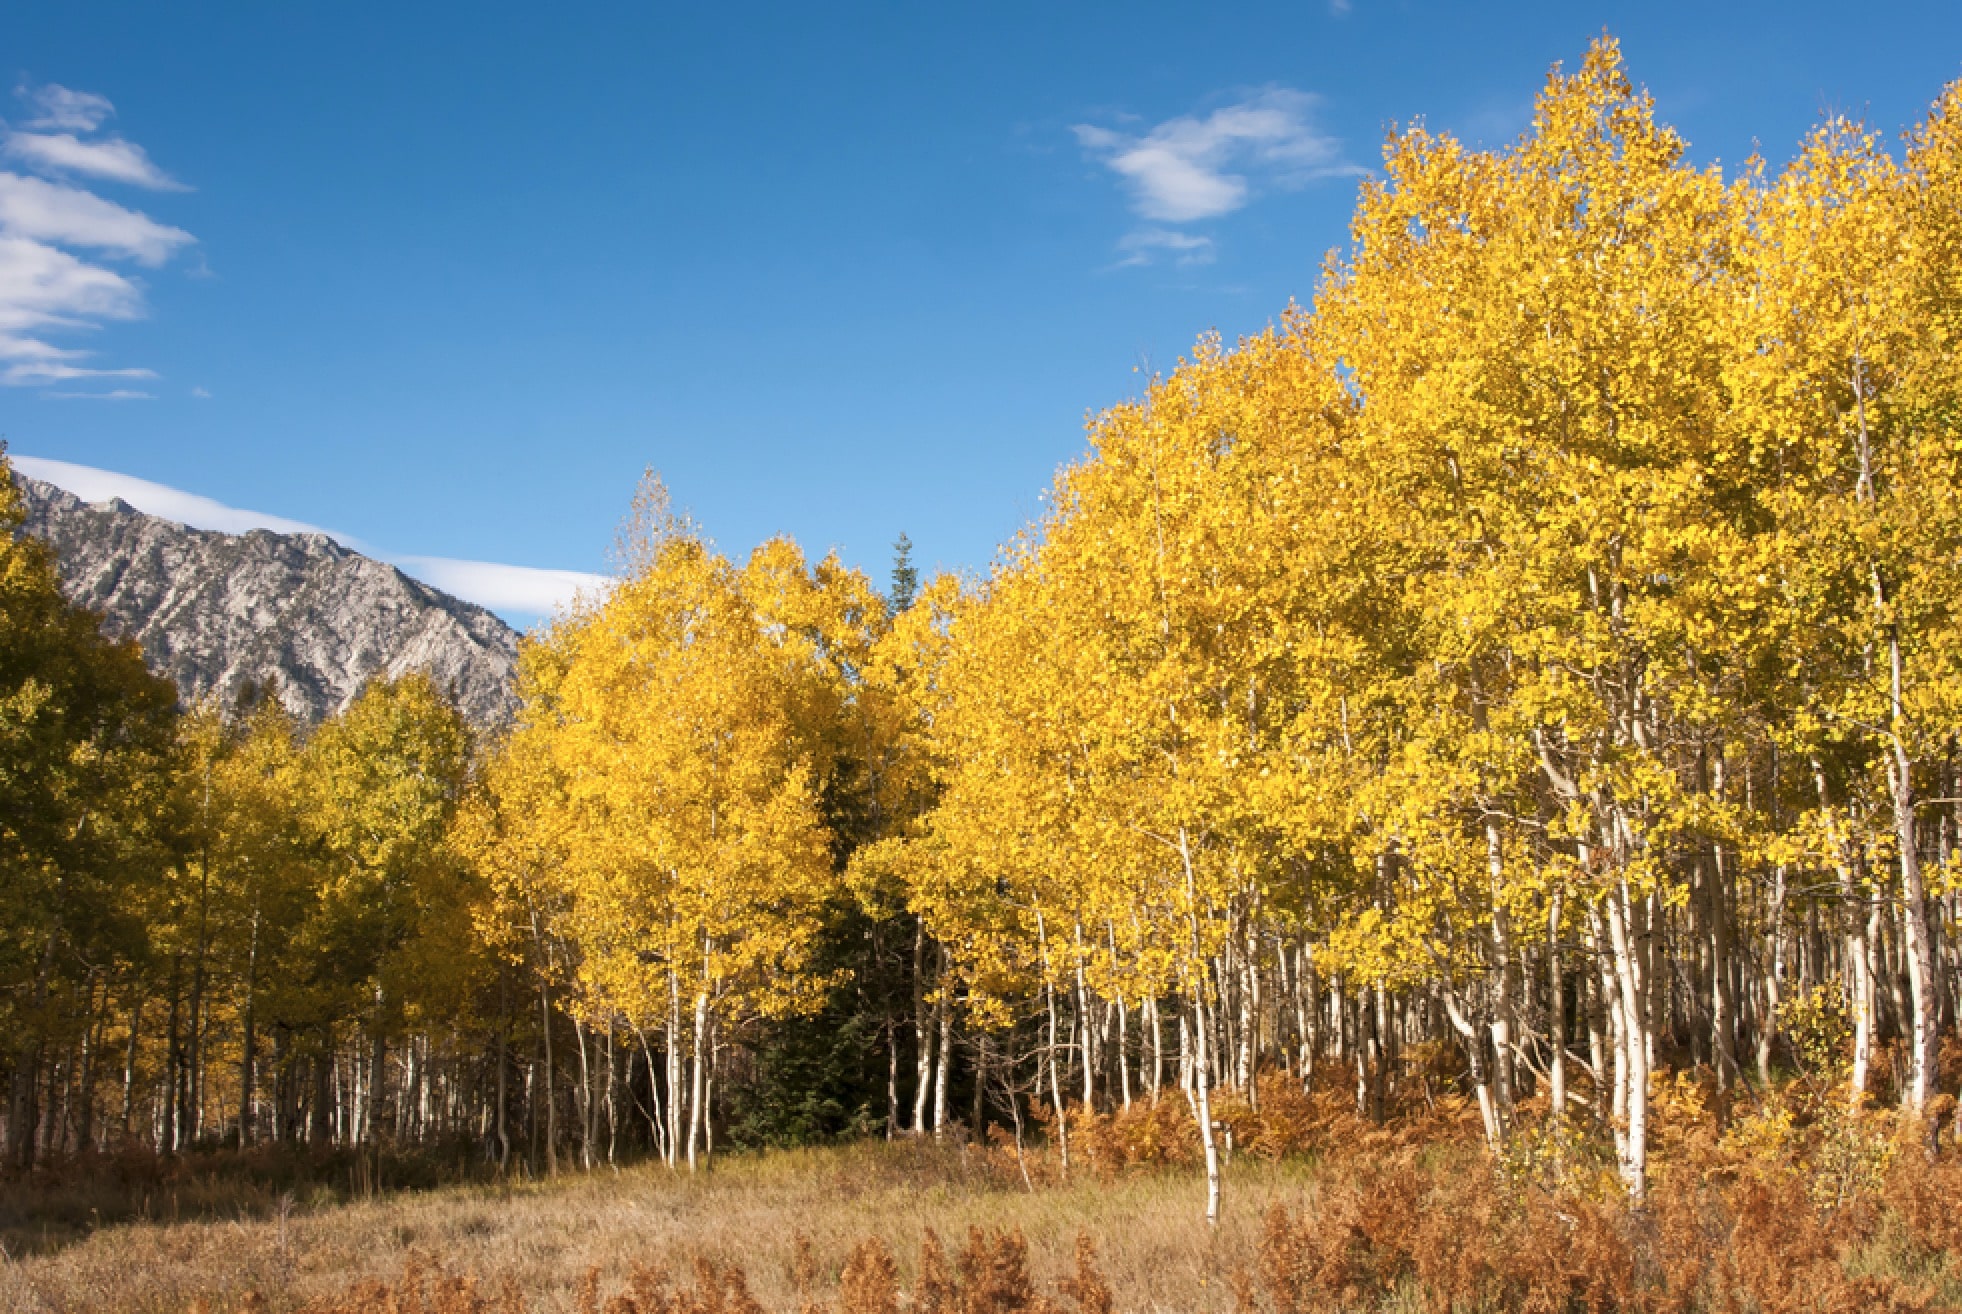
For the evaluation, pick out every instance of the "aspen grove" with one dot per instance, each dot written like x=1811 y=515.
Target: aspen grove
x=1538 y=661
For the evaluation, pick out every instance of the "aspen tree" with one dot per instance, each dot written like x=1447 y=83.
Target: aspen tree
x=676 y=831
x=1842 y=394
x=1555 y=412
x=382 y=783
x=86 y=754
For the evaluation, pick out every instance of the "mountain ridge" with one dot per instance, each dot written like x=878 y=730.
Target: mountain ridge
x=216 y=611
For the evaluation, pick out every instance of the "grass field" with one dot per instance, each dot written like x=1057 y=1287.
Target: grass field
x=1390 y=1220
x=749 y=1211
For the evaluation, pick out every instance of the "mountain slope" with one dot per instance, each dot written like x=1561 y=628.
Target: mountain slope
x=215 y=611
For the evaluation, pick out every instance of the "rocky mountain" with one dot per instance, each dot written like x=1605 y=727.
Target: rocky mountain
x=215 y=611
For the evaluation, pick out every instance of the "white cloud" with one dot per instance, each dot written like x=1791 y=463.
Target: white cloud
x=514 y=590
x=114 y=394
x=1166 y=182
x=112 y=158
x=523 y=589
x=94 y=485
x=1199 y=168
x=44 y=287
x=70 y=111
x=1143 y=245
x=201 y=394
x=47 y=371
x=55 y=212
x=1339 y=8
x=15 y=347
x=1195 y=168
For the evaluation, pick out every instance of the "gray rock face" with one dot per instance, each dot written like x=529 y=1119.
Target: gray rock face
x=215 y=611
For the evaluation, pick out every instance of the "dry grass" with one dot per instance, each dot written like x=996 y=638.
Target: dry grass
x=1783 y=1208
x=749 y=1213
x=65 y=1201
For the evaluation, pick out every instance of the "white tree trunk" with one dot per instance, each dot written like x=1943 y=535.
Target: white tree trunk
x=1634 y=1042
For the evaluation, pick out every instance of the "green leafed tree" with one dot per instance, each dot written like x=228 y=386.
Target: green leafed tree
x=86 y=750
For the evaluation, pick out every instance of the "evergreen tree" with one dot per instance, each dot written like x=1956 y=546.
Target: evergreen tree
x=905 y=579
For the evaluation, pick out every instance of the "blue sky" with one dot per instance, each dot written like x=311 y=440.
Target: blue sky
x=446 y=278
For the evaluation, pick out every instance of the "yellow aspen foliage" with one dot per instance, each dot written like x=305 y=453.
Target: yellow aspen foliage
x=658 y=811
x=381 y=783
x=1533 y=665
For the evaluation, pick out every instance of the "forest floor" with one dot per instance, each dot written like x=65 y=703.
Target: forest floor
x=749 y=1211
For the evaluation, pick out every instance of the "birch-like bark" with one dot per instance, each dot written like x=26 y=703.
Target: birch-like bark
x=676 y=1099
x=1774 y=978
x=922 y=1033
x=1900 y=779
x=698 y=1082
x=129 y=1066
x=1635 y=1041
x=545 y=1034
x=1504 y=1016
x=1302 y=994
x=1157 y=1048
x=1203 y=1095
x=1055 y=1076
x=1250 y=1006
x=1611 y=1050
x=1474 y=1039
x=1866 y=993
x=585 y=1096
x=892 y=1079
x=1124 y=1051
x=657 y=1125
x=1085 y=1023
x=1556 y=1019
x=613 y=1094
x=946 y=1012
x=1914 y=906
x=1723 y=1008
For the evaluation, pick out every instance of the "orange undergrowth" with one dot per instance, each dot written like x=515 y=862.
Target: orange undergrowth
x=1794 y=1201
x=990 y=1275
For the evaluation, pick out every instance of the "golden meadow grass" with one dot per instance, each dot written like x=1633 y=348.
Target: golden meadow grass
x=1413 y=1217
x=749 y=1211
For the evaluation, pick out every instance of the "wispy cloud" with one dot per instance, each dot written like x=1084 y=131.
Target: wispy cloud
x=95 y=485
x=54 y=371
x=46 y=288
x=524 y=591
x=114 y=394
x=1143 y=245
x=57 y=107
x=1199 y=167
x=112 y=159
x=48 y=139
x=69 y=216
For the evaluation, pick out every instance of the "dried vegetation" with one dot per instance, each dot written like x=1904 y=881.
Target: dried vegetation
x=1794 y=1204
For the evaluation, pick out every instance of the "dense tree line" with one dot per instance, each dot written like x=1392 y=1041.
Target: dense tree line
x=209 y=928
x=1545 y=650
